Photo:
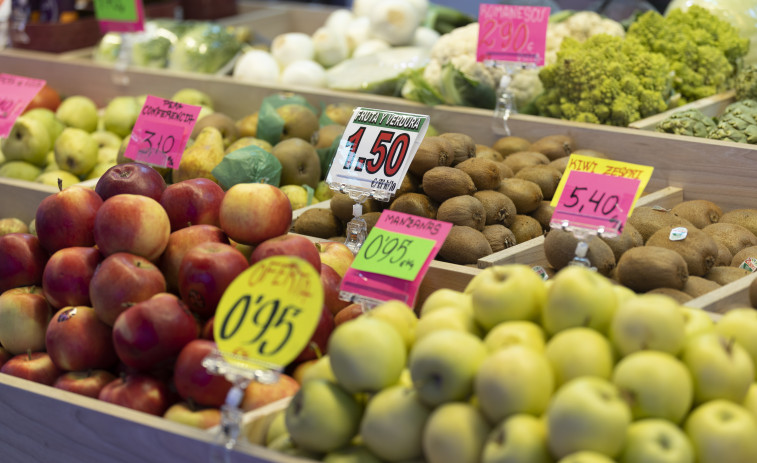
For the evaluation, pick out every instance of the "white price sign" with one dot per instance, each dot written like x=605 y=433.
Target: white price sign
x=376 y=150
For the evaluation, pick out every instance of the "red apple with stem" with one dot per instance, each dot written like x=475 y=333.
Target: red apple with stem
x=195 y=201
x=77 y=340
x=34 y=366
x=192 y=380
x=254 y=212
x=287 y=245
x=88 y=383
x=257 y=394
x=181 y=241
x=66 y=278
x=24 y=314
x=67 y=218
x=138 y=392
x=22 y=260
x=132 y=223
x=131 y=178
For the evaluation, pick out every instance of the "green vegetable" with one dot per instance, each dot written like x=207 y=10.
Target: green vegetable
x=459 y=89
x=692 y=122
x=381 y=73
x=152 y=47
x=416 y=88
x=444 y=19
x=746 y=83
x=204 y=48
x=108 y=49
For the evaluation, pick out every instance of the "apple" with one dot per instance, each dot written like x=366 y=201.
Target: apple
x=33 y=366
x=186 y=413
x=366 y=354
x=520 y=438
x=336 y=255
x=207 y=329
x=657 y=440
x=740 y=324
x=181 y=241
x=455 y=432
x=66 y=278
x=450 y=318
x=27 y=141
x=120 y=281
x=319 y=340
x=722 y=432
x=251 y=213
x=47 y=97
x=287 y=245
x=445 y=297
x=194 y=201
x=22 y=261
x=348 y=313
x=206 y=270
x=138 y=392
x=24 y=314
x=193 y=382
x=4 y=356
x=443 y=365
x=131 y=178
x=587 y=413
x=331 y=282
x=517 y=332
x=88 y=383
x=132 y=223
x=153 y=332
x=719 y=366
x=513 y=380
x=77 y=340
x=400 y=316
x=393 y=422
x=696 y=321
x=504 y=293
x=648 y=321
x=578 y=352
x=322 y=416
x=257 y=394
x=67 y=218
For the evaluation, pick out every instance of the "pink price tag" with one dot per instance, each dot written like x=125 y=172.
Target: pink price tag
x=385 y=287
x=595 y=201
x=120 y=15
x=15 y=94
x=161 y=132
x=512 y=33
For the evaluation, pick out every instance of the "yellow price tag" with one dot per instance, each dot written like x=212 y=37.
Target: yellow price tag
x=269 y=312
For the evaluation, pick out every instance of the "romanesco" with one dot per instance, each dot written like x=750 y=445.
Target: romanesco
x=746 y=83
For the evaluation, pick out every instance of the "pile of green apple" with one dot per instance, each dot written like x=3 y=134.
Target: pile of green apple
x=515 y=369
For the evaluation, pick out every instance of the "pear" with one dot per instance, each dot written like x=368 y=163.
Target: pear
x=193 y=96
x=20 y=170
x=76 y=151
x=51 y=178
x=107 y=154
x=220 y=121
x=78 y=111
x=340 y=113
x=47 y=117
x=27 y=141
x=299 y=121
x=202 y=157
x=248 y=125
x=326 y=135
x=107 y=139
x=99 y=169
x=300 y=164
x=120 y=115
x=249 y=141
x=12 y=225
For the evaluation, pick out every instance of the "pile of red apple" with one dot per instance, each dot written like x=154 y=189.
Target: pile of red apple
x=114 y=297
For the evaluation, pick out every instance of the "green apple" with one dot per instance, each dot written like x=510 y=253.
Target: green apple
x=276 y=427
x=586 y=457
x=518 y=332
x=577 y=352
x=99 y=169
x=722 y=432
x=193 y=96
x=587 y=413
x=78 y=111
x=518 y=439
x=47 y=117
x=27 y=141
x=322 y=417
x=298 y=196
x=367 y=354
x=393 y=422
x=719 y=366
x=354 y=453
x=321 y=369
x=696 y=321
x=20 y=170
x=76 y=151
x=655 y=385
x=648 y=321
x=455 y=433
x=656 y=440
x=445 y=297
x=449 y=318
x=120 y=115
x=741 y=324
x=506 y=292
x=750 y=401
x=513 y=380
x=51 y=178
x=400 y=316
x=444 y=364
x=579 y=297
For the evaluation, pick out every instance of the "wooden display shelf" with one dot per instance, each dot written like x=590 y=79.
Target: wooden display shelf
x=712 y=106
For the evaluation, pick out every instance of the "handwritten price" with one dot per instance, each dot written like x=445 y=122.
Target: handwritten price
x=164 y=144
x=506 y=35
x=380 y=249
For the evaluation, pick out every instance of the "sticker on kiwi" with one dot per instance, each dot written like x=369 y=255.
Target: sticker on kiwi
x=678 y=234
x=749 y=264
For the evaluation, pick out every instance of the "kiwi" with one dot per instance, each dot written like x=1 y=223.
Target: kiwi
x=341 y=205
x=499 y=237
x=724 y=254
x=318 y=222
x=753 y=293
x=442 y=183
x=432 y=152
x=410 y=184
x=741 y=256
x=521 y=159
x=526 y=195
x=645 y=268
x=679 y=296
x=649 y=219
x=487 y=152
x=463 y=210
x=461 y=145
x=629 y=238
x=735 y=237
x=543 y=214
x=560 y=249
x=499 y=208
x=370 y=220
x=485 y=173
x=525 y=227
x=554 y=146
x=510 y=144
x=700 y=212
x=697 y=286
x=546 y=177
x=698 y=249
x=724 y=275
x=747 y=218
x=464 y=246
x=505 y=171
x=560 y=163
x=416 y=204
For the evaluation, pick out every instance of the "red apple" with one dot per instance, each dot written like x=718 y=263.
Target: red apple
x=22 y=260
x=348 y=313
x=67 y=218
x=77 y=340
x=133 y=178
x=192 y=380
x=122 y=280
x=132 y=223
x=47 y=97
x=34 y=366
x=181 y=241
x=204 y=274
x=287 y=245
x=24 y=313
x=153 y=332
x=319 y=341
x=257 y=394
x=331 y=282
x=88 y=383
x=207 y=329
x=192 y=202
x=186 y=413
x=336 y=255
x=66 y=278
x=138 y=392
x=254 y=212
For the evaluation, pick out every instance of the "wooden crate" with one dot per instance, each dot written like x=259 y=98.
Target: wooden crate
x=711 y=106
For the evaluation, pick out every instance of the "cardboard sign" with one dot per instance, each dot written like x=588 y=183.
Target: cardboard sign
x=15 y=94
x=120 y=15
x=512 y=33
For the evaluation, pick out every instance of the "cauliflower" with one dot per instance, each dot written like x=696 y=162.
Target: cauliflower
x=579 y=25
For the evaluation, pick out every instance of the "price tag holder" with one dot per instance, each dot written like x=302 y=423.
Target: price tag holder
x=15 y=94
x=512 y=33
x=269 y=312
x=394 y=259
x=120 y=15
x=161 y=132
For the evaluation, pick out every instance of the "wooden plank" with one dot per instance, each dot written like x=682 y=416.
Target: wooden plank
x=712 y=106
x=726 y=297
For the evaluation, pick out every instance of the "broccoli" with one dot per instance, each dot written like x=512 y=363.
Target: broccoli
x=746 y=83
x=692 y=122
x=606 y=80
x=204 y=48
x=705 y=52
